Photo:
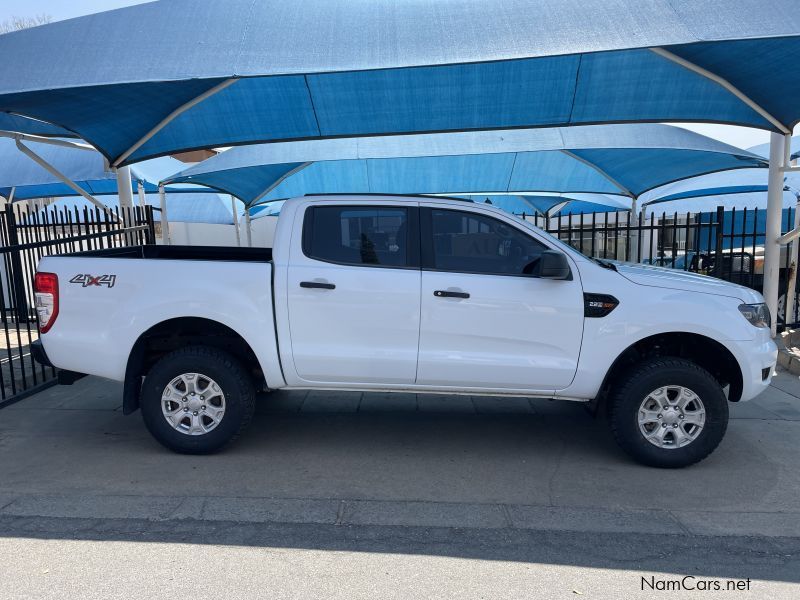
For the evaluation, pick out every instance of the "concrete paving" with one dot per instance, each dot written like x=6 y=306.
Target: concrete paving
x=482 y=497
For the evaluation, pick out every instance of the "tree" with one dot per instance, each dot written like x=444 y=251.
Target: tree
x=16 y=23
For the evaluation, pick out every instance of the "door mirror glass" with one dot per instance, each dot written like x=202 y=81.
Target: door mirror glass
x=550 y=265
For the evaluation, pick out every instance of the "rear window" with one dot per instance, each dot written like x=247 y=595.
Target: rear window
x=353 y=235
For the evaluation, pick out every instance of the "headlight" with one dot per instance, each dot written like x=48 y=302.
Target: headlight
x=757 y=314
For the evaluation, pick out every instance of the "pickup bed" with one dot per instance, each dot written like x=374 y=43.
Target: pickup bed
x=413 y=294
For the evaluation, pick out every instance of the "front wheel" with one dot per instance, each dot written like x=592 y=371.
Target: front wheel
x=197 y=399
x=669 y=413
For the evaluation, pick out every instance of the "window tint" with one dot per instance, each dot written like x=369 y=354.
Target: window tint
x=359 y=236
x=471 y=243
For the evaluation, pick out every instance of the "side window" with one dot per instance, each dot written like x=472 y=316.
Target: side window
x=355 y=235
x=467 y=242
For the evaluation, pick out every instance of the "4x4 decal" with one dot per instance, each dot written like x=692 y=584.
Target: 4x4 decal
x=98 y=280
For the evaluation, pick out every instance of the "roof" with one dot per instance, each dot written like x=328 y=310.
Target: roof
x=204 y=73
x=609 y=159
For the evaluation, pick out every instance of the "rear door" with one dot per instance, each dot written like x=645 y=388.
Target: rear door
x=354 y=294
x=485 y=323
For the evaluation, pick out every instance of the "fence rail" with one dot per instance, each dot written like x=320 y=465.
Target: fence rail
x=724 y=244
x=26 y=236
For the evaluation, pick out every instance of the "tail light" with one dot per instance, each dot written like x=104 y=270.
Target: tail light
x=45 y=288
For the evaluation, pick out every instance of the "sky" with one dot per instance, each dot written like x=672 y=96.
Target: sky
x=742 y=137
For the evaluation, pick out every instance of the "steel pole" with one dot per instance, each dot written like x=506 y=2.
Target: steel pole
x=248 y=222
x=235 y=212
x=125 y=195
x=772 y=249
x=164 y=219
x=791 y=289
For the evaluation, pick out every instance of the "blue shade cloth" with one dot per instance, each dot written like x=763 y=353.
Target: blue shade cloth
x=17 y=124
x=609 y=159
x=553 y=205
x=85 y=168
x=763 y=149
x=182 y=207
x=322 y=68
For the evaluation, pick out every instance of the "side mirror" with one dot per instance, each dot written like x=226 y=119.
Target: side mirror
x=553 y=265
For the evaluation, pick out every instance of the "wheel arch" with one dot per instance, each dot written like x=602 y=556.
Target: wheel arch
x=170 y=334
x=700 y=349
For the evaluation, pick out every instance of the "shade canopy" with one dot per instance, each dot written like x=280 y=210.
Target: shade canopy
x=204 y=73
x=86 y=168
x=555 y=204
x=17 y=124
x=607 y=159
x=763 y=149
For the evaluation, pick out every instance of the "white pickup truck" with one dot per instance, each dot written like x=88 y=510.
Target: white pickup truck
x=414 y=294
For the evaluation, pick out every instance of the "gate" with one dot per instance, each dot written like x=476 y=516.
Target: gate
x=25 y=237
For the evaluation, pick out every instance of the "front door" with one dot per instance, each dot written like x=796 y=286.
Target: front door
x=354 y=295
x=485 y=323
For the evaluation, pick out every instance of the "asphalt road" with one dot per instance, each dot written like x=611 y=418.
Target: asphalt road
x=365 y=496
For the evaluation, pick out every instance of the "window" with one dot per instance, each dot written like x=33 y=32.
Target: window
x=357 y=236
x=471 y=243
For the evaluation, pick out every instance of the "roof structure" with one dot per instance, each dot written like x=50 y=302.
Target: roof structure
x=204 y=73
x=624 y=160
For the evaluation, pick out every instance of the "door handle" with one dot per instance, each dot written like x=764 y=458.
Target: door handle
x=317 y=285
x=449 y=294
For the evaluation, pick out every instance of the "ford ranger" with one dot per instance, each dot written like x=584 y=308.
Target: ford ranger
x=406 y=294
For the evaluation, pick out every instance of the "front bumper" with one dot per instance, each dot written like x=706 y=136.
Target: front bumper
x=756 y=358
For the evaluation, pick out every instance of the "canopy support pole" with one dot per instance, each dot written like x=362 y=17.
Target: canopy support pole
x=11 y=194
x=235 y=213
x=248 y=223
x=772 y=240
x=43 y=140
x=164 y=218
x=60 y=176
x=791 y=288
x=171 y=117
x=140 y=189
x=125 y=195
x=723 y=83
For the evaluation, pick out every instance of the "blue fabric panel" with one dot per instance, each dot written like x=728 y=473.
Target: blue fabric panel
x=641 y=169
x=719 y=191
x=440 y=174
x=251 y=110
x=557 y=172
x=136 y=108
x=639 y=85
x=744 y=62
x=22 y=125
x=457 y=97
x=247 y=183
x=325 y=178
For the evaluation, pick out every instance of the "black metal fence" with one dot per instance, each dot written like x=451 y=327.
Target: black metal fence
x=25 y=237
x=724 y=244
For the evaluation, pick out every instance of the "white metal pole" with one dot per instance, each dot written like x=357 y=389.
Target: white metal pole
x=235 y=211
x=142 y=199
x=125 y=195
x=247 y=221
x=772 y=249
x=164 y=219
x=791 y=288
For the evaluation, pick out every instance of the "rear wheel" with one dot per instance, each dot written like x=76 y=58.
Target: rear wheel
x=197 y=399
x=668 y=412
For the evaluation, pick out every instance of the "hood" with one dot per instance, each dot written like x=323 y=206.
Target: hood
x=674 y=279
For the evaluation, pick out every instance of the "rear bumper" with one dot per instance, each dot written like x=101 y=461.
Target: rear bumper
x=39 y=355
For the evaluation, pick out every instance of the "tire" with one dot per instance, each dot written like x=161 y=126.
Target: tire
x=222 y=411
x=668 y=382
